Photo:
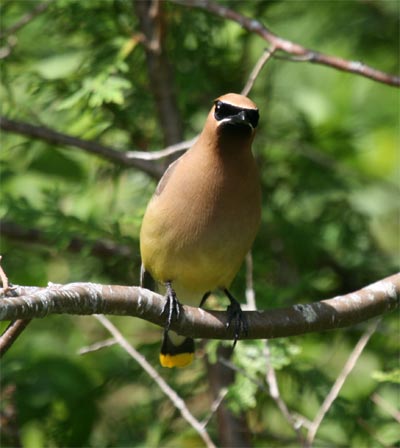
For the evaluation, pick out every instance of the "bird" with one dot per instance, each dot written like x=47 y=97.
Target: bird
x=203 y=219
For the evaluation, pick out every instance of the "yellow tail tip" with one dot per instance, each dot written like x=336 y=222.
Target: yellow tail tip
x=178 y=360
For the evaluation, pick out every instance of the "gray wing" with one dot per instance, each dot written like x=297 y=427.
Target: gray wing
x=166 y=176
x=146 y=280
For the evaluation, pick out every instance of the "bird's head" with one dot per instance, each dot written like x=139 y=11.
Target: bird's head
x=234 y=115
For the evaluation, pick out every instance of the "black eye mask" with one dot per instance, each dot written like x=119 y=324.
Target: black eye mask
x=226 y=110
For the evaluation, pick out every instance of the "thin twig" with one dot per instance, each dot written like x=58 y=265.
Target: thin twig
x=16 y=327
x=4 y=279
x=25 y=19
x=97 y=346
x=11 y=334
x=267 y=54
x=161 y=383
x=162 y=153
x=334 y=392
x=8 y=46
x=386 y=406
x=215 y=405
x=295 y=421
x=373 y=433
x=292 y=48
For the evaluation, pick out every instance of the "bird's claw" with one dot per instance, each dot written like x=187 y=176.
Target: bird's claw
x=172 y=307
x=236 y=320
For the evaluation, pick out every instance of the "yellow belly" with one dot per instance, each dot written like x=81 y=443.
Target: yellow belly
x=208 y=260
x=197 y=229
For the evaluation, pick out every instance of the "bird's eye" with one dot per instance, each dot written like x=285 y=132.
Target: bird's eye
x=224 y=110
x=218 y=107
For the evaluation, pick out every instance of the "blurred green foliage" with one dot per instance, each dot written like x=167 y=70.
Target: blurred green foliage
x=328 y=151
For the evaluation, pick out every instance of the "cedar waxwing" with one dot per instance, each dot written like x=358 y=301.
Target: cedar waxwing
x=203 y=219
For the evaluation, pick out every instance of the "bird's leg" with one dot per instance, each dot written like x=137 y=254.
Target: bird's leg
x=236 y=317
x=172 y=307
x=204 y=299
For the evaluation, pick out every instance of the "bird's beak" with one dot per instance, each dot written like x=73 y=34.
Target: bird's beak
x=239 y=119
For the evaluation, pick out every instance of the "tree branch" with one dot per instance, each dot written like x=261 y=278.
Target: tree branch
x=386 y=406
x=340 y=380
x=152 y=24
x=294 y=421
x=104 y=248
x=106 y=152
x=89 y=298
x=15 y=328
x=25 y=19
x=11 y=334
x=176 y=400
x=301 y=53
x=263 y=59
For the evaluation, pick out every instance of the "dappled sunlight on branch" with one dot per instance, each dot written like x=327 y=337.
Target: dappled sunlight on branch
x=90 y=298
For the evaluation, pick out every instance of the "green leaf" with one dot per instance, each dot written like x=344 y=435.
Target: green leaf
x=388 y=377
x=59 y=66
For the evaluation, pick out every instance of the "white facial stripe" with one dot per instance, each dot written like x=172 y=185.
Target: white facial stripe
x=230 y=119
x=238 y=106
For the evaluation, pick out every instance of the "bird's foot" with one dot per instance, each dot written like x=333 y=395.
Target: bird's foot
x=204 y=299
x=172 y=307
x=236 y=318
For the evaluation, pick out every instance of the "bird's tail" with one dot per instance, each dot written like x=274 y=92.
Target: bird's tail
x=176 y=351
